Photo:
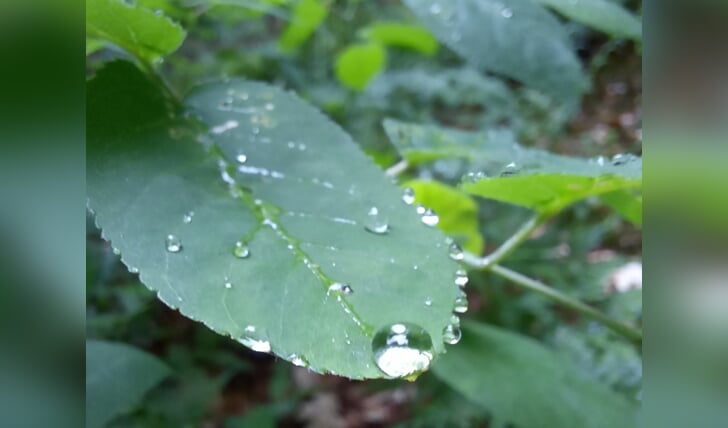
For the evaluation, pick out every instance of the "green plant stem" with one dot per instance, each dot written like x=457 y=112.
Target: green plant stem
x=625 y=330
x=152 y=72
x=511 y=244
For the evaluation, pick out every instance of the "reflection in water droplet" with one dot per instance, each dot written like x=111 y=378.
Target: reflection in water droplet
x=408 y=195
x=451 y=334
x=375 y=223
x=456 y=253
x=461 y=278
x=430 y=218
x=187 y=218
x=241 y=250
x=173 y=244
x=402 y=350
x=461 y=303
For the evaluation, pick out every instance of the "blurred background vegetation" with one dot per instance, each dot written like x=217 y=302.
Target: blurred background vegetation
x=361 y=62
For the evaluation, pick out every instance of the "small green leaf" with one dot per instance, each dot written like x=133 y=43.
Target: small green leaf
x=604 y=15
x=517 y=39
x=627 y=203
x=117 y=377
x=458 y=213
x=402 y=35
x=93 y=46
x=307 y=16
x=270 y=228
x=498 y=168
x=138 y=30
x=519 y=381
x=358 y=64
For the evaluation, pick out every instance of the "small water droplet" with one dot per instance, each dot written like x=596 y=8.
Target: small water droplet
x=430 y=218
x=228 y=284
x=187 y=218
x=158 y=12
x=408 y=195
x=256 y=345
x=435 y=9
x=461 y=303
x=455 y=320
x=415 y=267
x=116 y=251
x=461 y=278
x=255 y=130
x=226 y=103
x=420 y=209
x=428 y=302
x=244 y=96
x=509 y=170
x=241 y=158
x=340 y=287
x=298 y=360
x=301 y=146
x=402 y=350
x=623 y=159
x=506 y=13
x=269 y=106
x=451 y=334
x=133 y=269
x=375 y=224
x=241 y=250
x=456 y=253
x=173 y=244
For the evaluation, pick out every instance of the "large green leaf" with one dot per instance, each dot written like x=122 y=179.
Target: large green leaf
x=605 y=15
x=117 y=377
x=496 y=167
x=518 y=39
x=136 y=29
x=294 y=190
x=521 y=382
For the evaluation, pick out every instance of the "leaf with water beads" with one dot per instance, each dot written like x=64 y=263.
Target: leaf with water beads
x=270 y=236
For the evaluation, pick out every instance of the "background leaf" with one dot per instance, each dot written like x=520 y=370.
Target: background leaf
x=500 y=169
x=605 y=15
x=307 y=16
x=497 y=37
x=358 y=64
x=457 y=211
x=403 y=36
x=300 y=202
x=627 y=203
x=117 y=377
x=521 y=382
x=138 y=30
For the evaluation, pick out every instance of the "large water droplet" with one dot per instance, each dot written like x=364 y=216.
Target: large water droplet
x=408 y=195
x=375 y=223
x=461 y=303
x=241 y=250
x=461 y=278
x=456 y=253
x=402 y=350
x=451 y=334
x=430 y=218
x=173 y=244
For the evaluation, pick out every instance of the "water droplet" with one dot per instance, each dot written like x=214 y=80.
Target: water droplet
x=455 y=320
x=435 y=9
x=509 y=170
x=402 y=350
x=623 y=159
x=228 y=284
x=408 y=195
x=420 y=209
x=116 y=251
x=298 y=360
x=375 y=223
x=456 y=253
x=302 y=147
x=187 y=218
x=428 y=302
x=430 y=218
x=415 y=267
x=256 y=345
x=461 y=278
x=133 y=269
x=269 y=106
x=451 y=334
x=506 y=13
x=244 y=96
x=226 y=103
x=241 y=158
x=158 y=12
x=340 y=287
x=461 y=303
x=173 y=244
x=241 y=250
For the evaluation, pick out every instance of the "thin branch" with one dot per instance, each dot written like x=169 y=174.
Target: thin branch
x=522 y=234
x=397 y=168
x=625 y=330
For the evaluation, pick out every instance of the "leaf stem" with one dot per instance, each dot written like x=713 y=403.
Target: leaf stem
x=159 y=79
x=509 y=245
x=625 y=330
